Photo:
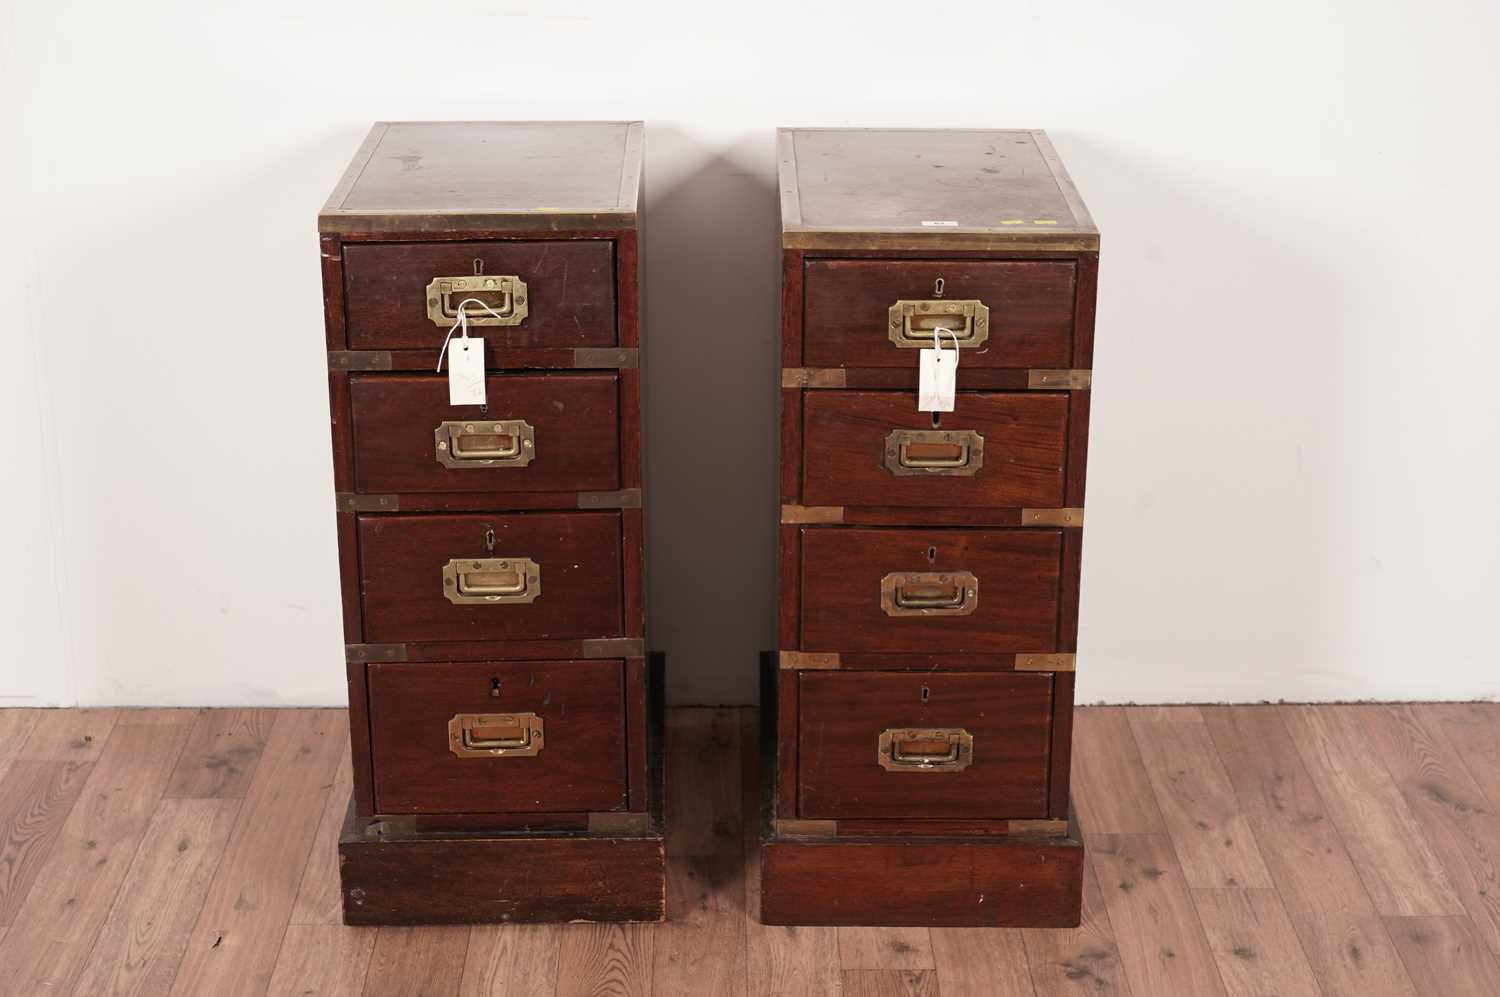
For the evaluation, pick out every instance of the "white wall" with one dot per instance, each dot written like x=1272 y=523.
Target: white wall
x=1294 y=462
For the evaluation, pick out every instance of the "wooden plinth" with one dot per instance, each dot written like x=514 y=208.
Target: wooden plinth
x=974 y=882
x=469 y=877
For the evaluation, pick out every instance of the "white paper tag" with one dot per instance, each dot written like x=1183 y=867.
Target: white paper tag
x=940 y=223
x=937 y=378
x=466 y=372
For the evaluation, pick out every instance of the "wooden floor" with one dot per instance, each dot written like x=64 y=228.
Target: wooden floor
x=1233 y=850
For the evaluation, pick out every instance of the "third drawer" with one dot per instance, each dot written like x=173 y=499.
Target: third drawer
x=491 y=576
x=930 y=589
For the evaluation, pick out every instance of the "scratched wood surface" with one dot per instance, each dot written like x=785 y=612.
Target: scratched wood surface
x=1251 y=850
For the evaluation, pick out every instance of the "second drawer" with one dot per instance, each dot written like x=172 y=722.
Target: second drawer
x=873 y=448
x=541 y=433
x=513 y=576
x=923 y=744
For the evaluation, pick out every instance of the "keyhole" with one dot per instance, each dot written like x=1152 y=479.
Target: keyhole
x=478 y=266
x=937 y=287
x=926 y=694
x=937 y=420
x=931 y=555
x=489 y=541
x=494 y=688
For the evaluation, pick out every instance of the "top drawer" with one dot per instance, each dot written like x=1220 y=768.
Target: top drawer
x=568 y=300
x=875 y=313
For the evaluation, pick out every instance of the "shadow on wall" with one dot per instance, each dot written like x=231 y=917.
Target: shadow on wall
x=710 y=331
x=1212 y=554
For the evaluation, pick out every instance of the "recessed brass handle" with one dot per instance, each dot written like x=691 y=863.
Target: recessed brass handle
x=486 y=580
x=929 y=593
x=510 y=443
x=957 y=453
x=506 y=295
x=925 y=749
x=912 y=323
x=495 y=735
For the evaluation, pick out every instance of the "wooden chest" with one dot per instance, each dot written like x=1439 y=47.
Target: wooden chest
x=919 y=711
x=504 y=712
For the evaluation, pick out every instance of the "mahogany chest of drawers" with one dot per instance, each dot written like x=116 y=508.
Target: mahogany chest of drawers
x=504 y=713
x=919 y=711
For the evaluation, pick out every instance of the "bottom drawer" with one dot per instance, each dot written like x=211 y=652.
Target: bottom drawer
x=498 y=737
x=923 y=744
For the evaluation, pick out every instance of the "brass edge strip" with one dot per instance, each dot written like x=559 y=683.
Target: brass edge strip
x=812 y=514
x=1063 y=380
x=359 y=360
x=1051 y=828
x=786 y=176
x=627 y=498
x=1060 y=240
x=610 y=357
x=1064 y=182
x=352 y=502
x=813 y=377
x=615 y=822
x=356 y=166
x=806 y=828
x=374 y=652
x=1052 y=517
x=613 y=647
x=630 y=167
x=808 y=661
x=1046 y=662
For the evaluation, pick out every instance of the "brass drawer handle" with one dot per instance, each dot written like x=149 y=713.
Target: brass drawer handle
x=912 y=322
x=925 y=749
x=478 y=581
x=505 y=295
x=957 y=453
x=495 y=735
x=511 y=443
x=929 y=593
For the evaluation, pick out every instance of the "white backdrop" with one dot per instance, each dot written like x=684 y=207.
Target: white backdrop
x=1294 y=464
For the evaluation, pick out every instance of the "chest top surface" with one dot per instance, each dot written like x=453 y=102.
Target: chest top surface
x=918 y=189
x=489 y=176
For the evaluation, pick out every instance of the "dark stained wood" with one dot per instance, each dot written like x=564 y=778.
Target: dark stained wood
x=791 y=445
x=1061 y=752
x=332 y=265
x=1030 y=302
x=1078 y=447
x=474 y=878
x=842 y=715
x=638 y=735
x=789 y=591
x=982 y=882
x=402 y=557
x=446 y=178
x=922 y=828
x=569 y=286
x=633 y=568
x=915 y=188
x=575 y=418
x=845 y=441
x=581 y=765
x=1018 y=573
x=1085 y=306
x=359 y=736
x=791 y=308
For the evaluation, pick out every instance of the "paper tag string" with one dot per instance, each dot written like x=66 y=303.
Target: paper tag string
x=461 y=326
